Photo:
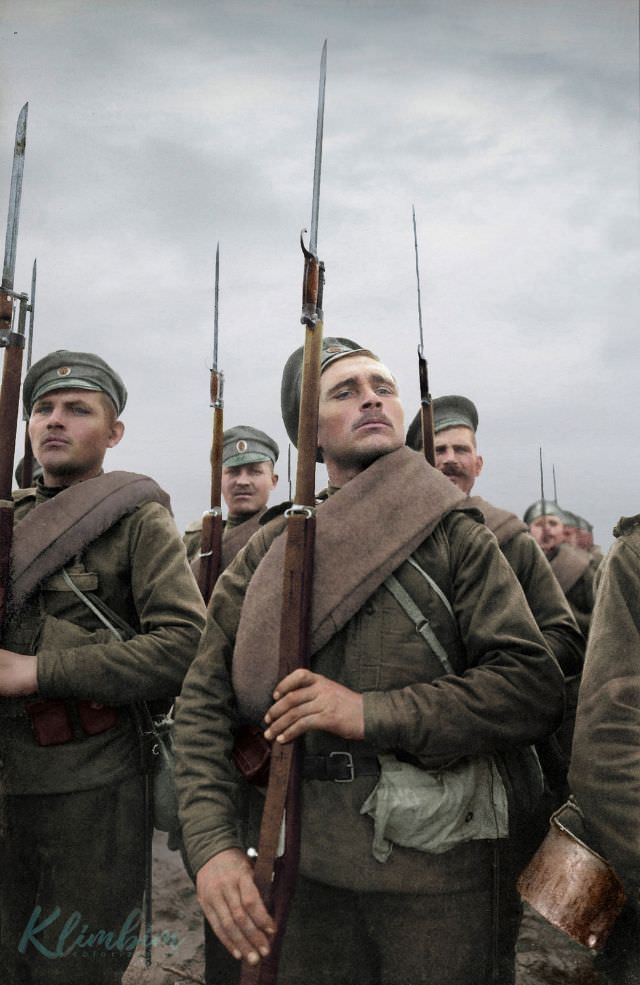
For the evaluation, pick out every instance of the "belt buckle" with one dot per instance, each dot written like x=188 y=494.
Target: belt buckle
x=349 y=764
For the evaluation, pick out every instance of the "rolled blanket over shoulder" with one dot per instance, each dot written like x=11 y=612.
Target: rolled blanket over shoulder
x=364 y=532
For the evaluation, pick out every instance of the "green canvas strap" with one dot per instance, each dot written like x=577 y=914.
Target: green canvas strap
x=422 y=624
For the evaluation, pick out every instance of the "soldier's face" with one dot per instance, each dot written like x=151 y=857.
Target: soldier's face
x=360 y=415
x=548 y=531
x=70 y=431
x=571 y=536
x=457 y=458
x=246 y=488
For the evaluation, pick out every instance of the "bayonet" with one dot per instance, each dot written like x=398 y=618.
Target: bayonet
x=15 y=195
x=426 y=404
x=541 y=478
x=555 y=488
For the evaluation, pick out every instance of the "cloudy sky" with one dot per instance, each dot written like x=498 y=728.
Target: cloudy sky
x=158 y=128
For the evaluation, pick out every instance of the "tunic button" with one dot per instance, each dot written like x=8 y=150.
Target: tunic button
x=469 y=817
x=369 y=608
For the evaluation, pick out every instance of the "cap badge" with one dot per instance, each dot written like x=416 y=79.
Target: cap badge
x=63 y=371
x=241 y=446
x=335 y=348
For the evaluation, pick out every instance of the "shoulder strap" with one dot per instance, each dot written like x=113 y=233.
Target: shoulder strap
x=422 y=624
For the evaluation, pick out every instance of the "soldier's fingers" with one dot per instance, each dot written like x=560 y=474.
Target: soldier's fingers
x=297 y=721
x=289 y=702
x=296 y=679
x=243 y=930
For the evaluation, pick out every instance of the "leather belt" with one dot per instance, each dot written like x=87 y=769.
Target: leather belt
x=339 y=766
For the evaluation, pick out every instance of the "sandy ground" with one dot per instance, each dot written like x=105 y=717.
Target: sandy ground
x=545 y=956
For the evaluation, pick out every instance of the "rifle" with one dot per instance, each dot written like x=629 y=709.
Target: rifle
x=211 y=537
x=26 y=477
x=426 y=405
x=12 y=338
x=276 y=870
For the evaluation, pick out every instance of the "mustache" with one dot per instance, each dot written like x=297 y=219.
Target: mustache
x=451 y=468
x=368 y=418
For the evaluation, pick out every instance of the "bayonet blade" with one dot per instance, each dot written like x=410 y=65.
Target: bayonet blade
x=415 y=244
x=317 y=167
x=15 y=194
x=541 y=478
x=215 y=311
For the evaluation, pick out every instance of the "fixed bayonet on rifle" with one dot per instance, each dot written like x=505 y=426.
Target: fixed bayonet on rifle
x=541 y=477
x=555 y=488
x=12 y=338
x=211 y=538
x=426 y=405
x=278 y=848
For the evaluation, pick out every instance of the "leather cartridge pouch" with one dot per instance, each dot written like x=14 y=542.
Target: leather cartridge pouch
x=50 y=722
x=252 y=754
x=95 y=718
x=53 y=721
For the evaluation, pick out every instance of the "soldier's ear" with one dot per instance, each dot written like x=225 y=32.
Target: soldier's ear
x=479 y=464
x=274 y=480
x=115 y=434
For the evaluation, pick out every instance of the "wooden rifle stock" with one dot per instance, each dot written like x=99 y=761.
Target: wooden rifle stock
x=9 y=406
x=212 y=526
x=426 y=413
x=275 y=875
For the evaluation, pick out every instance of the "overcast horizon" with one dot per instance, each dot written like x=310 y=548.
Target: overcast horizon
x=157 y=130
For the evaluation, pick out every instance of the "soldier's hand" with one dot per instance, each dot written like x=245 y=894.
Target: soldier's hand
x=305 y=702
x=233 y=906
x=18 y=674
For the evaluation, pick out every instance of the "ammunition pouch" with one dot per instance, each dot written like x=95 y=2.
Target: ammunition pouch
x=55 y=722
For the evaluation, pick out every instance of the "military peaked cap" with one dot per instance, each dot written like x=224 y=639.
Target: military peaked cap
x=65 y=370
x=333 y=348
x=452 y=411
x=243 y=445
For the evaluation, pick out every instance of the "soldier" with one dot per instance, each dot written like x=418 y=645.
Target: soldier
x=604 y=772
x=104 y=615
x=455 y=427
x=573 y=567
x=248 y=479
x=379 y=709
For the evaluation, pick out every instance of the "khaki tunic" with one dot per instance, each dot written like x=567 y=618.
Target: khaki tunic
x=138 y=568
x=605 y=767
x=507 y=693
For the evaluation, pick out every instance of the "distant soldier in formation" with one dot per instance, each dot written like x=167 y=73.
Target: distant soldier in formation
x=104 y=614
x=605 y=765
x=573 y=567
x=248 y=479
x=383 y=895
